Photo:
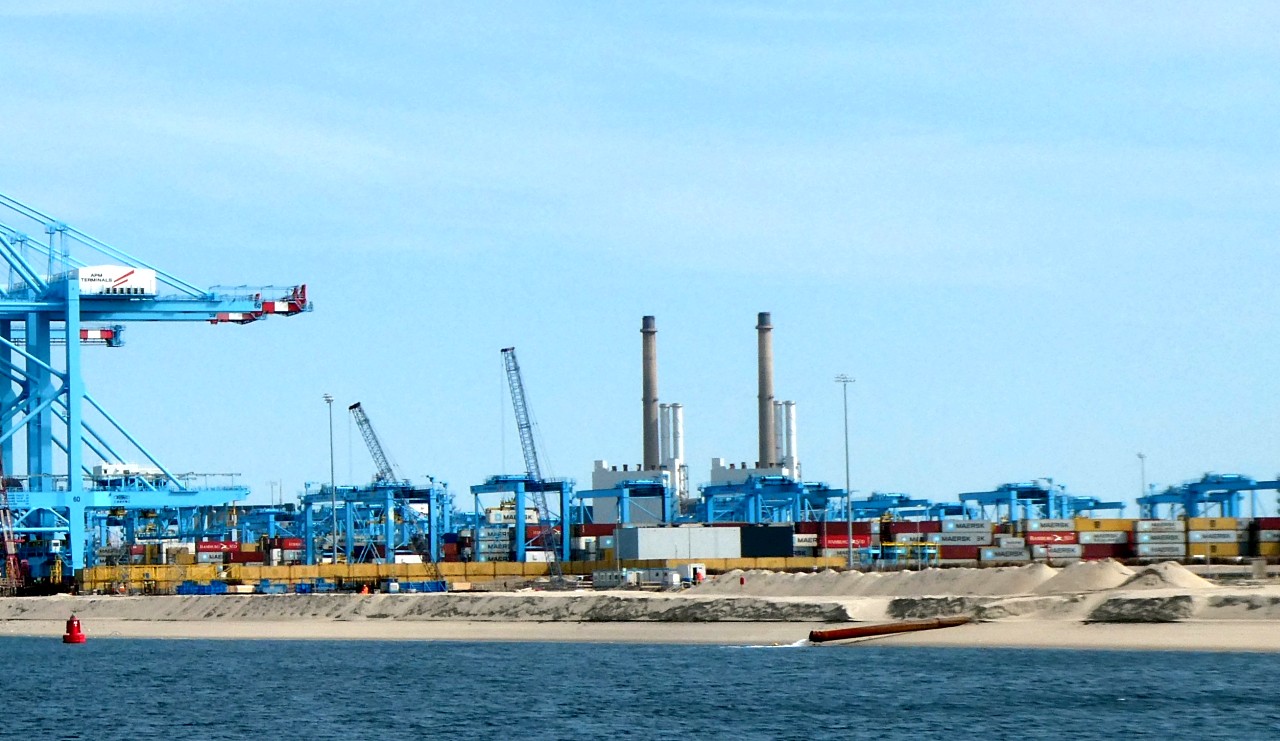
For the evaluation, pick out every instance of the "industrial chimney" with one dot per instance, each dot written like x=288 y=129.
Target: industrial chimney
x=649 y=360
x=768 y=439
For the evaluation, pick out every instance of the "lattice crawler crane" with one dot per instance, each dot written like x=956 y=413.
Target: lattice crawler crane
x=524 y=425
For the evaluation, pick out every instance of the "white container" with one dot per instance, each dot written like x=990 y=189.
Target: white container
x=1269 y=536
x=1215 y=536
x=1161 y=550
x=1004 y=554
x=1164 y=537
x=1009 y=541
x=1035 y=526
x=643 y=543
x=1057 y=552
x=612 y=579
x=804 y=540
x=966 y=526
x=116 y=280
x=1104 y=537
x=1160 y=526
x=970 y=538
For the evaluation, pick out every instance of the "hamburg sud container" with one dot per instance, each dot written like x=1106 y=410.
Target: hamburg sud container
x=1054 y=537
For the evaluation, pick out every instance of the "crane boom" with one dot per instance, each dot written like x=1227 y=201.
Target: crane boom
x=386 y=473
x=524 y=425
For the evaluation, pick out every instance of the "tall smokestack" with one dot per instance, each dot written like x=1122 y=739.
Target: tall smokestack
x=768 y=438
x=649 y=360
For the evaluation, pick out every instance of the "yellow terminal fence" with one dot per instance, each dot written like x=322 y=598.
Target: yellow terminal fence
x=165 y=579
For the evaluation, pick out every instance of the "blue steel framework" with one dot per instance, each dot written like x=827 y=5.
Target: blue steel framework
x=376 y=520
x=46 y=397
x=766 y=499
x=1223 y=492
x=1034 y=500
x=521 y=489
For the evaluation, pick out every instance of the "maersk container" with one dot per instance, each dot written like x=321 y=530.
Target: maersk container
x=1009 y=541
x=1214 y=536
x=1269 y=536
x=1142 y=537
x=1161 y=550
x=116 y=280
x=644 y=543
x=1005 y=555
x=1057 y=551
x=1033 y=526
x=966 y=526
x=1160 y=526
x=970 y=538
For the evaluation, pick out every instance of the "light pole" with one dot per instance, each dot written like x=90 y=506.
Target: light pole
x=844 y=382
x=1142 y=463
x=333 y=490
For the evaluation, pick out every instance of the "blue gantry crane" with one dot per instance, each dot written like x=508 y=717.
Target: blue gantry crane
x=531 y=485
x=65 y=285
x=1219 y=494
x=1033 y=500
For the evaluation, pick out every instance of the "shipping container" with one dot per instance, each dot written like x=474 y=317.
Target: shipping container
x=1212 y=523
x=1215 y=536
x=1104 y=537
x=1084 y=525
x=958 y=552
x=1159 y=526
x=1160 y=550
x=595 y=530
x=1148 y=537
x=1267 y=523
x=1106 y=550
x=966 y=526
x=1051 y=538
x=1269 y=536
x=969 y=538
x=804 y=540
x=1054 y=552
x=644 y=543
x=1004 y=555
x=1269 y=550
x=216 y=546
x=1215 y=550
x=767 y=541
x=1009 y=541
x=921 y=526
x=1035 y=526
x=842 y=541
x=825 y=527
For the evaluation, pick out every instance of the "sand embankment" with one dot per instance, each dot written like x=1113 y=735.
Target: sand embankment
x=1095 y=605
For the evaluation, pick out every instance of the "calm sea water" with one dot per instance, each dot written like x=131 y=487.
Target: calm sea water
x=137 y=689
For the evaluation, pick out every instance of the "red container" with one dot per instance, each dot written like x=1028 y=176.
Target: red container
x=217 y=546
x=245 y=556
x=1267 y=523
x=1097 y=551
x=969 y=552
x=1049 y=537
x=924 y=526
x=595 y=530
x=860 y=540
x=833 y=528
x=137 y=550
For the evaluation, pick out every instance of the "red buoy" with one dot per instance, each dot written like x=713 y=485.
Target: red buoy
x=73 y=634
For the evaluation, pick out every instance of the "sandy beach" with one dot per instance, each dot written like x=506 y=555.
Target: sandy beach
x=1102 y=605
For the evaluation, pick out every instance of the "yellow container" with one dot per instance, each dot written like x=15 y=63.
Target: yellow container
x=1084 y=525
x=1269 y=550
x=1216 y=550
x=507 y=568
x=772 y=564
x=1211 y=523
x=304 y=573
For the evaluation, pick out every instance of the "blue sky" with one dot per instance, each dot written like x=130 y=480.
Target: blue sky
x=1043 y=237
